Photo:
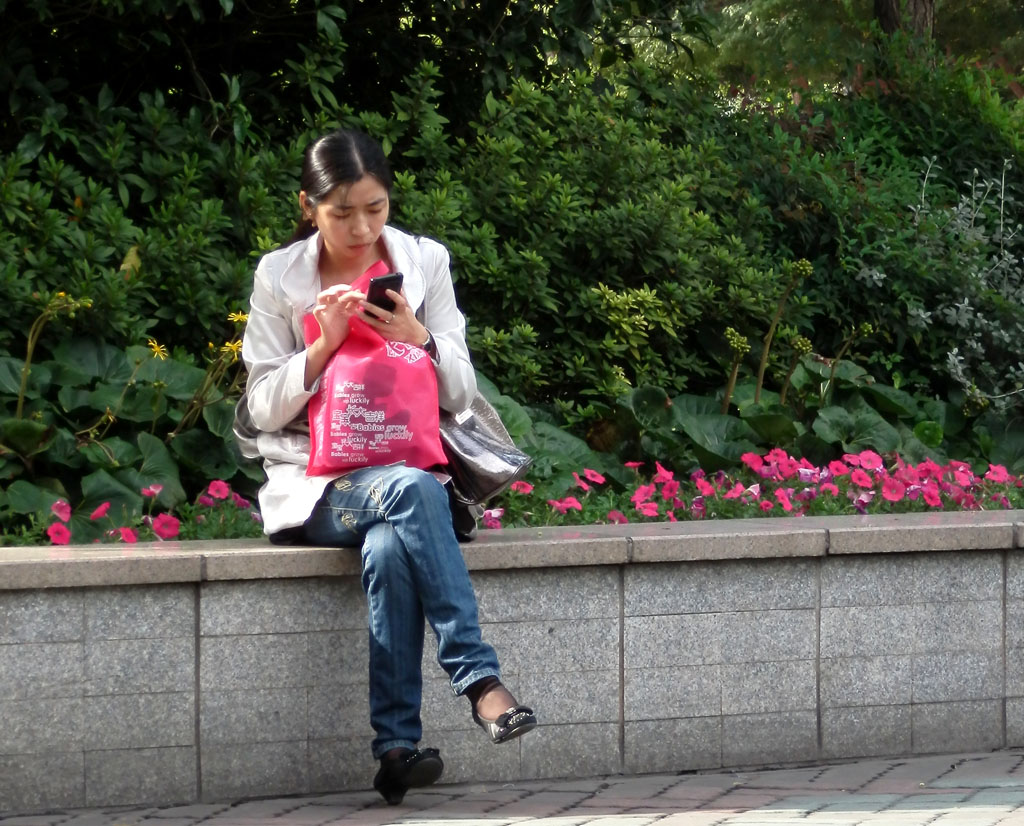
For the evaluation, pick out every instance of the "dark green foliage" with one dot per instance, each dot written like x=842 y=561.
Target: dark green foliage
x=283 y=60
x=600 y=239
x=606 y=230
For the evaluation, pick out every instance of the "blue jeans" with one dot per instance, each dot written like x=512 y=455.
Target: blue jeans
x=412 y=568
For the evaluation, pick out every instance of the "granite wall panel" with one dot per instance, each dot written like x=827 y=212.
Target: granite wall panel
x=117 y=695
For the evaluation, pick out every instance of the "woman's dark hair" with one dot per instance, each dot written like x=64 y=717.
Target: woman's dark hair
x=341 y=157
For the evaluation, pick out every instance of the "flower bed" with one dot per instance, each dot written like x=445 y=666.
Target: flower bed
x=773 y=484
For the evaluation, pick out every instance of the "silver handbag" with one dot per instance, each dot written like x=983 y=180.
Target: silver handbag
x=482 y=458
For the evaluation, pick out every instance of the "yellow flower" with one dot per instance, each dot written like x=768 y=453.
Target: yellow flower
x=239 y=318
x=232 y=348
x=159 y=351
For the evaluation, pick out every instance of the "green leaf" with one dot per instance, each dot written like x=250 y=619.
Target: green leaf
x=158 y=467
x=25 y=497
x=210 y=456
x=772 y=422
x=949 y=416
x=30 y=146
x=889 y=400
x=914 y=450
x=856 y=431
x=141 y=403
x=110 y=453
x=181 y=380
x=719 y=440
x=690 y=405
x=1007 y=448
x=10 y=375
x=650 y=406
x=26 y=437
x=929 y=433
x=97 y=488
x=845 y=370
x=95 y=359
x=220 y=417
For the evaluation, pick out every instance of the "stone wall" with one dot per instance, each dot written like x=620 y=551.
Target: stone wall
x=216 y=671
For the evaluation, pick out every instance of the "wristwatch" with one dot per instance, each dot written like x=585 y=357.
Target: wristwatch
x=431 y=347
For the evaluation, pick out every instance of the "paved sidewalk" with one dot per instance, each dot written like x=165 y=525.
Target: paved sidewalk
x=950 y=790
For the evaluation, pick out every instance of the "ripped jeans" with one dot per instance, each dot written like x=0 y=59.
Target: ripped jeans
x=412 y=568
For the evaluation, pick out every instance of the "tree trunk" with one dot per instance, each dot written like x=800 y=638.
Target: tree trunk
x=916 y=16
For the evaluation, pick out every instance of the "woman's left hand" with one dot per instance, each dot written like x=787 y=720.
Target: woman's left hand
x=398 y=325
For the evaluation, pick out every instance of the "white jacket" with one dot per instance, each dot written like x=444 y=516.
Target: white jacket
x=285 y=289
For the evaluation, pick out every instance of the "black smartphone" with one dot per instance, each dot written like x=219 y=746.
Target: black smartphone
x=377 y=292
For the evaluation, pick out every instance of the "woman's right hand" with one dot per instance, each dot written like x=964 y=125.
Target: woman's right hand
x=334 y=307
x=333 y=311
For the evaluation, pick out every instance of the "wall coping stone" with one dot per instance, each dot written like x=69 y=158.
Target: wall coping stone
x=71 y=566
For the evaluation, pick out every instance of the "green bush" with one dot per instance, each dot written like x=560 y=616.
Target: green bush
x=606 y=232
x=601 y=239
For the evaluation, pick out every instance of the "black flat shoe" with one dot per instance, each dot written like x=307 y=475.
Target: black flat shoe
x=407 y=770
x=514 y=722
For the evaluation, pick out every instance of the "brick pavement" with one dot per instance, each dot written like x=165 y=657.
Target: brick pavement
x=953 y=790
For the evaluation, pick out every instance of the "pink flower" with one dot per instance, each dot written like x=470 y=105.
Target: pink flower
x=593 y=476
x=59 y=533
x=240 y=501
x=931 y=496
x=579 y=482
x=565 y=505
x=100 y=512
x=152 y=490
x=861 y=500
x=998 y=474
x=519 y=486
x=752 y=461
x=705 y=487
x=642 y=494
x=869 y=460
x=670 y=489
x=929 y=468
x=765 y=505
x=670 y=516
x=734 y=492
x=648 y=508
x=828 y=487
x=205 y=501
x=777 y=454
x=807 y=474
x=62 y=510
x=662 y=475
x=852 y=459
x=893 y=490
x=861 y=479
x=838 y=468
x=788 y=468
x=963 y=477
x=633 y=465
x=492 y=518
x=166 y=526
x=908 y=475
x=783 y=494
x=128 y=535
x=617 y=517
x=219 y=489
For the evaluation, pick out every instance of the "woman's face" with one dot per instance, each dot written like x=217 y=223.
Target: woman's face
x=351 y=219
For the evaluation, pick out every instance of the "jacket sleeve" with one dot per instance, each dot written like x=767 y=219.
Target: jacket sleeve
x=274 y=355
x=456 y=378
